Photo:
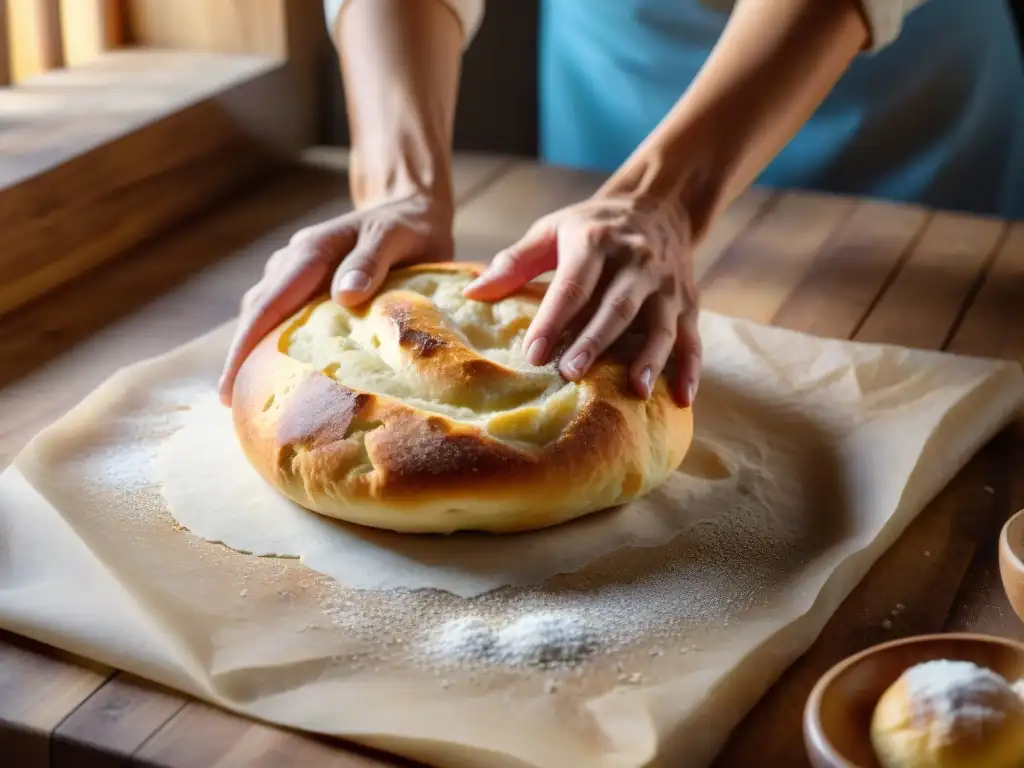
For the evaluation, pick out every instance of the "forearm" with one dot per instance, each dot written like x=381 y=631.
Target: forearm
x=400 y=63
x=772 y=67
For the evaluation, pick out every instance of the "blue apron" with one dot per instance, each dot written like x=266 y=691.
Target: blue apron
x=937 y=118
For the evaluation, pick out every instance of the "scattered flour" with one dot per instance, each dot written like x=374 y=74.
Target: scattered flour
x=953 y=694
x=676 y=596
x=539 y=639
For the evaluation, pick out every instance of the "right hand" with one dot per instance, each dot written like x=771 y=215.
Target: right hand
x=352 y=253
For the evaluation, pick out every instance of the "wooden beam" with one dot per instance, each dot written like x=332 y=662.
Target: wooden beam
x=221 y=26
x=293 y=31
x=90 y=27
x=5 y=47
x=103 y=157
x=34 y=37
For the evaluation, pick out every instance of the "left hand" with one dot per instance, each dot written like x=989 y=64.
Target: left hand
x=628 y=258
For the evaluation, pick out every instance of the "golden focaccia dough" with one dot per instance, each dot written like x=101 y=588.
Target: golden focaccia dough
x=418 y=412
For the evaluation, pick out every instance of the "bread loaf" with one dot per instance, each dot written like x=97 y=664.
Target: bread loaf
x=418 y=412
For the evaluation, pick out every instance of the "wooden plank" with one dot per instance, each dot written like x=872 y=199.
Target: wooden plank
x=35 y=39
x=90 y=27
x=749 y=207
x=921 y=306
x=112 y=723
x=992 y=325
x=758 y=272
x=912 y=586
x=200 y=736
x=5 y=47
x=31 y=673
x=225 y=26
x=839 y=291
x=97 y=167
x=992 y=328
x=149 y=292
x=291 y=30
x=38 y=687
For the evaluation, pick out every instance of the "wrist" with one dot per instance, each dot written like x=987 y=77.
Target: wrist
x=400 y=170
x=679 y=176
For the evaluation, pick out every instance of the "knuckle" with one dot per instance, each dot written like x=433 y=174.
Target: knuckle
x=572 y=292
x=623 y=307
x=302 y=237
x=661 y=336
x=598 y=236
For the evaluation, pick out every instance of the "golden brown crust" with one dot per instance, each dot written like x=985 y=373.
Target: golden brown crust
x=464 y=441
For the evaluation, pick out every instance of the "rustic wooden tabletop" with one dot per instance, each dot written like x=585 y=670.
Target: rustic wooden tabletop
x=827 y=265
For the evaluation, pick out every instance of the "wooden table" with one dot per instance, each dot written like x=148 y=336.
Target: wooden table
x=828 y=265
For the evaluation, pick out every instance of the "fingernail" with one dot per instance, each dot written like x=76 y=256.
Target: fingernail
x=353 y=282
x=691 y=392
x=535 y=352
x=578 y=363
x=645 y=381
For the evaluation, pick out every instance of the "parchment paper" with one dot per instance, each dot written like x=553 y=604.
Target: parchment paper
x=812 y=456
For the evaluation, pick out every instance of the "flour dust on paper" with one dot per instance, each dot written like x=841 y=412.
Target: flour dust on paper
x=212 y=490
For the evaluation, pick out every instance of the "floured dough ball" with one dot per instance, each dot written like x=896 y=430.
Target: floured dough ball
x=949 y=714
x=418 y=412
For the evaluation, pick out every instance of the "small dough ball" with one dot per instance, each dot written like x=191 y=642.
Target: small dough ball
x=949 y=714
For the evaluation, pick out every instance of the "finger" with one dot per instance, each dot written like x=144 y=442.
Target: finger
x=576 y=275
x=689 y=357
x=267 y=309
x=617 y=309
x=535 y=254
x=364 y=269
x=277 y=260
x=662 y=316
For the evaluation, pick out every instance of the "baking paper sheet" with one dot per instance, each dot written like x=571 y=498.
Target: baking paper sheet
x=812 y=456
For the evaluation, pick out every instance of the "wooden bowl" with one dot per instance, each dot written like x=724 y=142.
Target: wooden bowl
x=837 y=716
x=1011 y=561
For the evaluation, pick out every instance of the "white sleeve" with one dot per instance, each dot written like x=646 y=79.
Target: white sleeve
x=469 y=12
x=885 y=19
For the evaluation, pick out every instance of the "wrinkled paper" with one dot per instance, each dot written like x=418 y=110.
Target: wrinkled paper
x=811 y=456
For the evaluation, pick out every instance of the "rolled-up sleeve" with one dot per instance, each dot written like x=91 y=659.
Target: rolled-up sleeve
x=469 y=13
x=885 y=19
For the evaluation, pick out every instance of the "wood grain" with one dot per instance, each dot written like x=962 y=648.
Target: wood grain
x=114 y=158
x=758 y=272
x=161 y=295
x=36 y=43
x=828 y=265
x=113 y=723
x=5 y=47
x=200 y=736
x=224 y=26
x=993 y=327
x=922 y=305
x=912 y=587
x=38 y=687
x=292 y=31
x=863 y=255
x=90 y=27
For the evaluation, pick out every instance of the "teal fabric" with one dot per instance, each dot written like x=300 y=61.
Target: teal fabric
x=936 y=118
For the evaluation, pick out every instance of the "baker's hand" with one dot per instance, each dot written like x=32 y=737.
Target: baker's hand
x=628 y=259
x=351 y=253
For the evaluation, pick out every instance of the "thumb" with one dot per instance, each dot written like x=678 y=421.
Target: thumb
x=364 y=269
x=535 y=254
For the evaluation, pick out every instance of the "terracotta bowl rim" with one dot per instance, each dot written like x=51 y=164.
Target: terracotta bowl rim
x=812 y=727
x=1015 y=557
